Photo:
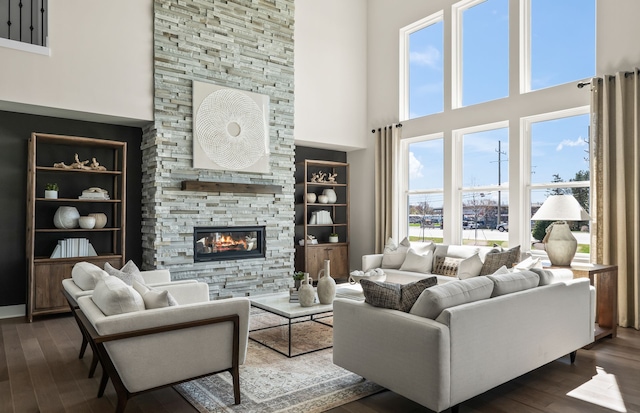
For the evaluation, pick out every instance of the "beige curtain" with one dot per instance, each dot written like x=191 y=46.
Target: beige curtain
x=616 y=155
x=385 y=178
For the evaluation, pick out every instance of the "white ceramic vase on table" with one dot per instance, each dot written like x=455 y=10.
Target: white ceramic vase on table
x=326 y=284
x=306 y=294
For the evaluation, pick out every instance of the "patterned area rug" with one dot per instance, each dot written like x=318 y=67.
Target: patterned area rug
x=271 y=382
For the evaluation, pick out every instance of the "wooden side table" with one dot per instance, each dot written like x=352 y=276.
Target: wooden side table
x=605 y=279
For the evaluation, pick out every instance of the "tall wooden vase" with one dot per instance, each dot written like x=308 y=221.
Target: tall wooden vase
x=326 y=284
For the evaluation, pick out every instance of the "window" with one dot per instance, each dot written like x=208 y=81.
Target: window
x=484 y=196
x=561 y=42
x=25 y=25
x=560 y=165
x=424 y=45
x=482 y=59
x=425 y=172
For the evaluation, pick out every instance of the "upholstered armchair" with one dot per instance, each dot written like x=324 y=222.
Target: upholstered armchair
x=147 y=349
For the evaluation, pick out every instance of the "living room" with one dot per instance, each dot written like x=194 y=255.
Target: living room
x=331 y=71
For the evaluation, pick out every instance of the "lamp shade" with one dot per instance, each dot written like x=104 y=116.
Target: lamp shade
x=561 y=208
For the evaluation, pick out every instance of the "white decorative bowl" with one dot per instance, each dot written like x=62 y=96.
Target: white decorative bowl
x=87 y=222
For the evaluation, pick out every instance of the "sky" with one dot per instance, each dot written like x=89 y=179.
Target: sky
x=562 y=50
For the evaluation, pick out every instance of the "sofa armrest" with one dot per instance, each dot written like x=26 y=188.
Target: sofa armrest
x=371 y=261
x=405 y=353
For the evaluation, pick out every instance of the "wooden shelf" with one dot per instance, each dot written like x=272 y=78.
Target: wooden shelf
x=68 y=200
x=63 y=230
x=45 y=260
x=65 y=170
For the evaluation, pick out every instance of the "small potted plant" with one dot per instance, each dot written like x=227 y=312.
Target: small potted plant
x=51 y=191
x=333 y=237
x=298 y=276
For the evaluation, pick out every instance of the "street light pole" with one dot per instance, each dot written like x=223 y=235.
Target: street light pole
x=500 y=153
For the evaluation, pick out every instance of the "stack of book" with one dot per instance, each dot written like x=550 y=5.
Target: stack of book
x=94 y=193
x=293 y=296
x=73 y=247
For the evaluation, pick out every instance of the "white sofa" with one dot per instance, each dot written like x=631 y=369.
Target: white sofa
x=467 y=349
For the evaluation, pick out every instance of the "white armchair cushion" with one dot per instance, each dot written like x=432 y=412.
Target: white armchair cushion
x=112 y=296
x=86 y=275
x=129 y=273
x=513 y=282
x=154 y=298
x=435 y=299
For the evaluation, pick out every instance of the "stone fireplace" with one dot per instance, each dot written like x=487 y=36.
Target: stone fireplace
x=194 y=40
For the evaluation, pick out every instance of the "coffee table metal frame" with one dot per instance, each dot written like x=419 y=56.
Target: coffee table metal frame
x=279 y=304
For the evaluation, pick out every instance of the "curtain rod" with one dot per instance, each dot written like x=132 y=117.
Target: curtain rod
x=399 y=125
x=609 y=77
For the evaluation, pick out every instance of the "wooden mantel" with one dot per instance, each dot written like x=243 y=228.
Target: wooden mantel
x=203 y=186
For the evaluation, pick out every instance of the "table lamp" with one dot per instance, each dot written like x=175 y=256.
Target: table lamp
x=559 y=242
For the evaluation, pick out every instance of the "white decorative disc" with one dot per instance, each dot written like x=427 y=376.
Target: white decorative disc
x=230 y=129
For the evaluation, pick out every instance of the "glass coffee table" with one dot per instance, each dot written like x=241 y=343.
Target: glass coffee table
x=294 y=313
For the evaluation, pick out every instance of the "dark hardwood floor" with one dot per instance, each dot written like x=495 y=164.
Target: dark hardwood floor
x=40 y=372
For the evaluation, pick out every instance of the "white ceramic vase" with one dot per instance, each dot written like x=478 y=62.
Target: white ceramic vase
x=306 y=294
x=310 y=197
x=101 y=219
x=87 y=222
x=323 y=199
x=66 y=217
x=331 y=195
x=326 y=284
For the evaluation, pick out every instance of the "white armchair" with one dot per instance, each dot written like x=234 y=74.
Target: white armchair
x=149 y=349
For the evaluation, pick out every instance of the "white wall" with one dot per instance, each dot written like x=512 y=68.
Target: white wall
x=100 y=68
x=330 y=74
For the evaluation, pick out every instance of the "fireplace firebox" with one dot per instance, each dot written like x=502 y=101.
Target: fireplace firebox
x=228 y=243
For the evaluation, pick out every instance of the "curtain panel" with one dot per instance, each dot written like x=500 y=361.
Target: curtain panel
x=615 y=134
x=385 y=183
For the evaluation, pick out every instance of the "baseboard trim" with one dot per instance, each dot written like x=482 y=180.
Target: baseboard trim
x=12 y=311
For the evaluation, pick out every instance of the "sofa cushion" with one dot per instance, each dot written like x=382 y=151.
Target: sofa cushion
x=86 y=275
x=113 y=296
x=154 y=297
x=513 y=282
x=446 y=266
x=393 y=255
x=470 y=267
x=129 y=273
x=395 y=296
x=495 y=260
x=416 y=262
x=435 y=299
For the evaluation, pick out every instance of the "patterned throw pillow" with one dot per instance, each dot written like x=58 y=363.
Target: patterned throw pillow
x=129 y=273
x=494 y=260
x=446 y=266
x=395 y=296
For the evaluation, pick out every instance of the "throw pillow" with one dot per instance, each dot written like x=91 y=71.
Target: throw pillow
x=417 y=262
x=502 y=270
x=86 y=275
x=129 y=273
x=513 y=282
x=154 y=298
x=470 y=267
x=395 y=296
x=546 y=276
x=393 y=255
x=446 y=266
x=433 y=300
x=113 y=296
x=423 y=247
x=529 y=263
x=495 y=260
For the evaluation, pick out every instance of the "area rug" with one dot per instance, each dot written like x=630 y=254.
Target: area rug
x=271 y=382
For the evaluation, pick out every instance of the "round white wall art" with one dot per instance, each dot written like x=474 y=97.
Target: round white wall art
x=230 y=130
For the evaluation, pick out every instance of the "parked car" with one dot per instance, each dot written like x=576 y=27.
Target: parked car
x=468 y=225
x=502 y=227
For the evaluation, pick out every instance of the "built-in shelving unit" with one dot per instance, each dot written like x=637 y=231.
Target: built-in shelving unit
x=45 y=274
x=310 y=257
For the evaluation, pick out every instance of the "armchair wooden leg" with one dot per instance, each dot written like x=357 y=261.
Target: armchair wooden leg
x=83 y=346
x=235 y=373
x=122 y=403
x=94 y=364
x=103 y=383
